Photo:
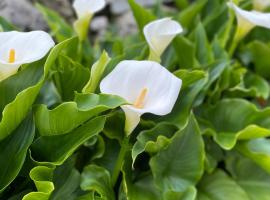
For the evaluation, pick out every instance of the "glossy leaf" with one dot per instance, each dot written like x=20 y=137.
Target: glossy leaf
x=83 y=108
x=180 y=165
x=97 y=179
x=56 y=149
x=13 y=151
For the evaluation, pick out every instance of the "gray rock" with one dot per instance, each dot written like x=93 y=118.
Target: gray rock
x=22 y=14
x=126 y=24
x=121 y=6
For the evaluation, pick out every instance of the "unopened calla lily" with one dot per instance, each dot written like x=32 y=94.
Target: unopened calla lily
x=261 y=4
x=85 y=9
x=17 y=48
x=159 y=35
x=148 y=86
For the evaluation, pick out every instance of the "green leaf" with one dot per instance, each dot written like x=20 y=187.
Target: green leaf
x=180 y=165
x=228 y=124
x=69 y=77
x=16 y=109
x=257 y=150
x=66 y=180
x=59 y=28
x=5 y=25
x=13 y=151
x=153 y=140
x=203 y=49
x=42 y=177
x=142 y=16
x=260 y=57
x=185 y=51
x=97 y=71
x=97 y=179
x=187 y=16
x=181 y=111
x=135 y=188
x=253 y=179
x=189 y=77
x=56 y=149
x=84 y=107
x=218 y=186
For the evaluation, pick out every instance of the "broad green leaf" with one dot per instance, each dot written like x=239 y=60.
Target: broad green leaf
x=236 y=119
x=180 y=165
x=259 y=55
x=189 y=77
x=187 y=16
x=84 y=107
x=142 y=16
x=114 y=126
x=215 y=70
x=257 y=150
x=203 y=48
x=185 y=51
x=13 y=151
x=42 y=177
x=59 y=28
x=57 y=148
x=15 y=111
x=250 y=177
x=252 y=85
x=134 y=188
x=109 y=158
x=153 y=140
x=69 y=77
x=97 y=71
x=218 y=186
x=66 y=180
x=97 y=179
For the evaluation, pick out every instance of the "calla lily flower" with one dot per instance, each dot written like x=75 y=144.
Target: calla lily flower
x=159 y=35
x=17 y=48
x=85 y=9
x=261 y=4
x=249 y=19
x=146 y=85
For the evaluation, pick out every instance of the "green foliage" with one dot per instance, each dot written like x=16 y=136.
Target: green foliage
x=60 y=139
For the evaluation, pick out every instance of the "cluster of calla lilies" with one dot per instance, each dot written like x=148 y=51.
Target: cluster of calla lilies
x=146 y=85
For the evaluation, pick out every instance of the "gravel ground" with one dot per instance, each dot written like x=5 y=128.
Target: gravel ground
x=24 y=15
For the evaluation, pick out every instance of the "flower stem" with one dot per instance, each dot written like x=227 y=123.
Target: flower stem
x=119 y=162
x=153 y=57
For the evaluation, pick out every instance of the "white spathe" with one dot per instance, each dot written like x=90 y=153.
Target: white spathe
x=261 y=4
x=160 y=33
x=88 y=7
x=25 y=47
x=156 y=88
x=249 y=19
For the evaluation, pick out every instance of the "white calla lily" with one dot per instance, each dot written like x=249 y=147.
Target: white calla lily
x=148 y=86
x=17 y=48
x=159 y=35
x=249 y=19
x=85 y=9
x=261 y=4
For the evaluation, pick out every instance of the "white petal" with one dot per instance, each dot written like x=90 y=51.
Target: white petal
x=85 y=7
x=132 y=119
x=160 y=33
x=129 y=78
x=28 y=46
x=6 y=71
x=253 y=17
x=261 y=4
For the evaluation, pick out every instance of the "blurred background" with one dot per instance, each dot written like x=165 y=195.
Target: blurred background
x=23 y=14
